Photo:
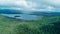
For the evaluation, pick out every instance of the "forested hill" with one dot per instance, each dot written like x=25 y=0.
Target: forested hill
x=49 y=25
x=10 y=11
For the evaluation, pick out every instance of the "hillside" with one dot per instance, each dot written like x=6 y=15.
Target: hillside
x=46 y=13
x=10 y=11
x=49 y=25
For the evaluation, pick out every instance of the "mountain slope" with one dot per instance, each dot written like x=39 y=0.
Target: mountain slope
x=10 y=11
x=42 y=26
x=46 y=13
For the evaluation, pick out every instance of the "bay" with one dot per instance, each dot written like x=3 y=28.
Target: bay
x=22 y=16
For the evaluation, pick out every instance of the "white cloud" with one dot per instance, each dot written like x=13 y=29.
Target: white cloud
x=29 y=5
x=32 y=3
x=6 y=2
x=55 y=3
x=14 y=8
x=26 y=4
x=46 y=5
x=21 y=3
x=49 y=8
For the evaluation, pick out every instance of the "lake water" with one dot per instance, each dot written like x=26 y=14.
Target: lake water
x=22 y=16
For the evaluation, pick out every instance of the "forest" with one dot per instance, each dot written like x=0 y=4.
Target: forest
x=45 y=25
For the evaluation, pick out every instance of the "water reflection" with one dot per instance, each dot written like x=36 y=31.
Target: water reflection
x=22 y=16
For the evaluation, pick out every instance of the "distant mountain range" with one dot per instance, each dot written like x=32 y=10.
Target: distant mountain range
x=10 y=11
x=45 y=13
x=40 y=13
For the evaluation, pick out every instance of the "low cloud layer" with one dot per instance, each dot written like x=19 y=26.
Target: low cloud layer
x=32 y=5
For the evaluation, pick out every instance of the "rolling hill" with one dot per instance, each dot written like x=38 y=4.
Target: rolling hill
x=46 y=13
x=10 y=11
x=49 y=25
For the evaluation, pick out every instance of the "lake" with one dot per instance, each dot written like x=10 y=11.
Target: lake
x=22 y=16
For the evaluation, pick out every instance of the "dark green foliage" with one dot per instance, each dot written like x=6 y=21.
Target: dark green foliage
x=53 y=28
x=25 y=29
x=49 y=25
x=46 y=25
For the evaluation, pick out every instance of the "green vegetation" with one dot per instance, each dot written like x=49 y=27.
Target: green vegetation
x=47 y=25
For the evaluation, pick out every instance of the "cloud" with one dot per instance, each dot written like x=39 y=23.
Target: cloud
x=6 y=2
x=31 y=5
x=48 y=8
x=17 y=3
x=55 y=3
x=13 y=8
x=46 y=5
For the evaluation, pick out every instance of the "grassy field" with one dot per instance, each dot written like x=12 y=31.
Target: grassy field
x=47 y=25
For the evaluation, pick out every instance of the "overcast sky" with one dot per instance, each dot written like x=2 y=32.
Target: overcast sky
x=33 y=5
